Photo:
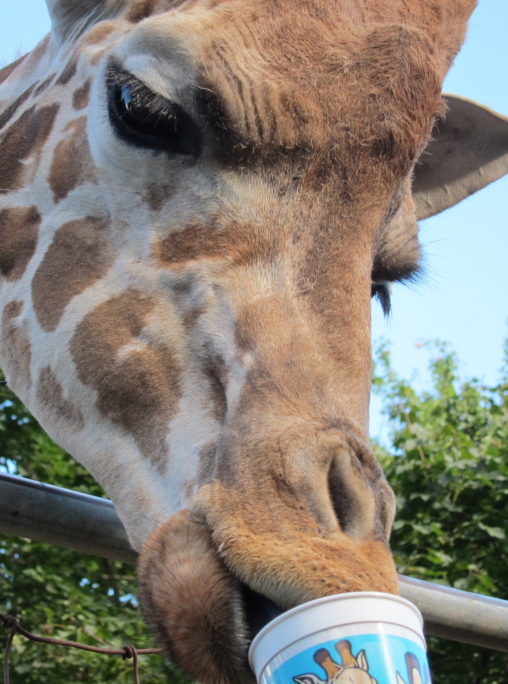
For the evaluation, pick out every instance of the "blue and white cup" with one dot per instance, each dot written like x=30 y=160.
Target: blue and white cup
x=356 y=638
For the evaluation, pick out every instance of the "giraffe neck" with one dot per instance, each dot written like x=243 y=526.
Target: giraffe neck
x=52 y=252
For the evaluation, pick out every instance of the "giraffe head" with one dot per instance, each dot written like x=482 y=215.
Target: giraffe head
x=351 y=670
x=197 y=200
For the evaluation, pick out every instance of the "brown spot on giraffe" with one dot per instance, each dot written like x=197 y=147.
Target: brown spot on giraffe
x=68 y=72
x=98 y=33
x=44 y=84
x=141 y=10
x=191 y=317
x=7 y=115
x=81 y=96
x=193 y=242
x=24 y=137
x=12 y=309
x=215 y=372
x=16 y=347
x=51 y=396
x=139 y=389
x=19 y=228
x=78 y=256
x=216 y=238
x=71 y=160
x=157 y=194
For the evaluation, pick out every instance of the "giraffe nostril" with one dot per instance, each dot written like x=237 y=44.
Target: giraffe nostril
x=360 y=496
x=356 y=486
x=341 y=496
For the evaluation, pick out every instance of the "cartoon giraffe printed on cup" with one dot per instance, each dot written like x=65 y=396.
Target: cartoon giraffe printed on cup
x=353 y=670
x=413 y=671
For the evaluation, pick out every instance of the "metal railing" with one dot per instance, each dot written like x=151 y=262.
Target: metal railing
x=90 y=524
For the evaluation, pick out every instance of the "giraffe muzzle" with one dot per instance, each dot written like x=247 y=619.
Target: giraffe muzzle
x=211 y=577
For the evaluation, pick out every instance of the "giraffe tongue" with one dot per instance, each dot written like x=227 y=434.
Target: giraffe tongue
x=259 y=610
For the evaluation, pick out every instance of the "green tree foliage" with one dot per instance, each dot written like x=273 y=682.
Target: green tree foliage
x=59 y=593
x=448 y=465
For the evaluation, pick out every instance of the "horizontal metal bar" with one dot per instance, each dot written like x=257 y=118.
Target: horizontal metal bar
x=459 y=615
x=62 y=517
x=90 y=525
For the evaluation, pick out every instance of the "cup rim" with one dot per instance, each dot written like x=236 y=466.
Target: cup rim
x=334 y=598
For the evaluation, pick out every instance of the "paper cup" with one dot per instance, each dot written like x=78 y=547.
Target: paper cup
x=357 y=638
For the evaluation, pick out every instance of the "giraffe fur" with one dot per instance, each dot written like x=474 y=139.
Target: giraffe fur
x=196 y=201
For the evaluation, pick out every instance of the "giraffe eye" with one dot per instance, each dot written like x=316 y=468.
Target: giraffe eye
x=145 y=119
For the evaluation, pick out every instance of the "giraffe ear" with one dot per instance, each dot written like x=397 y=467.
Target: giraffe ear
x=469 y=150
x=307 y=679
x=417 y=677
x=362 y=661
x=69 y=17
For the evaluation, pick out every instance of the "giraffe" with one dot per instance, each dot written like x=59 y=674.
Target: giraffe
x=352 y=669
x=198 y=199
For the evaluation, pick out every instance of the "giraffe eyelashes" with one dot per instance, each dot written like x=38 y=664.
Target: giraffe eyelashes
x=381 y=292
x=145 y=119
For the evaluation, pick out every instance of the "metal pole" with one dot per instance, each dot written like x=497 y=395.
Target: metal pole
x=62 y=517
x=90 y=525
x=459 y=615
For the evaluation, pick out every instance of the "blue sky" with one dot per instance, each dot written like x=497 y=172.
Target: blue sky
x=463 y=295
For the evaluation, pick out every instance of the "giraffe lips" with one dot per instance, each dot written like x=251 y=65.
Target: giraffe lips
x=210 y=578
x=199 y=611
